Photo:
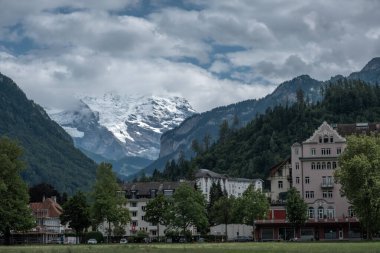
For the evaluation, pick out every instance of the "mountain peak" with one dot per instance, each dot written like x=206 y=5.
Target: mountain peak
x=372 y=65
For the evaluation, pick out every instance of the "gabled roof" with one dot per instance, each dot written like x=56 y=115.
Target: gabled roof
x=275 y=168
x=54 y=210
x=325 y=129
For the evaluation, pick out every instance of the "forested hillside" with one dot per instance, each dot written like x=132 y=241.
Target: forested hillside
x=251 y=151
x=49 y=152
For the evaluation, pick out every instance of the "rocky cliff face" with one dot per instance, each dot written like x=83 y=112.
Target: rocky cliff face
x=370 y=73
x=207 y=123
x=117 y=128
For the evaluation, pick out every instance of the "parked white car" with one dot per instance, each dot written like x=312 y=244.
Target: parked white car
x=92 y=241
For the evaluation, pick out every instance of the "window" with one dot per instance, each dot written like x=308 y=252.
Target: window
x=297 y=180
x=313 y=165
x=325 y=139
x=296 y=151
x=318 y=165
x=329 y=165
x=334 y=165
x=168 y=192
x=279 y=173
x=351 y=212
x=307 y=180
x=313 y=151
x=133 y=204
x=320 y=212
x=309 y=194
x=320 y=139
x=327 y=194
x=330 y=213
x=311 y=213
x=325 y=151
x=297 y=165
x=331 y=139
x=338 y=151
x=280 y=184
x=154 y=232
x=143 y=208
x=142 y=217
x=134 y=223
x=323 y=165
x=134 y=214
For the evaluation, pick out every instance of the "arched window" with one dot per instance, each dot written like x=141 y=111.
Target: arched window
x=329 y=165
x=325 y=139
x=334 y=165
x=311 y=212
x=318 y=165
x=320 y=212
x=313 y=165
x=323 y=165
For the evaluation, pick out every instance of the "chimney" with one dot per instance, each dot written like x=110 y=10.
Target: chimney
x=54 y=199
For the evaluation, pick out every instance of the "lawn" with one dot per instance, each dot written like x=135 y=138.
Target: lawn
x=344 y=247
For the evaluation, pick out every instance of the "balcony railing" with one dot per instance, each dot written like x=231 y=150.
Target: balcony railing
x=327 y=185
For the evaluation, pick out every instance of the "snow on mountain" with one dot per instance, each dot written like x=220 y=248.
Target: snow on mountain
x=117 y=126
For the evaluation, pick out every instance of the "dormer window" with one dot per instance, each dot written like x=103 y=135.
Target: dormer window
x=325 y=139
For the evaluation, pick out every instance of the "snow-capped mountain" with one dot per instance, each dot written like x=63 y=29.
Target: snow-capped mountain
x=115 y=127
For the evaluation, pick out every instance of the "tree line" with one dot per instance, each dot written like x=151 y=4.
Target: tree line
x=252 y=150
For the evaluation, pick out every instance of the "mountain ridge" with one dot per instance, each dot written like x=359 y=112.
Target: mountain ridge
x=173 y=141
x=49 y=152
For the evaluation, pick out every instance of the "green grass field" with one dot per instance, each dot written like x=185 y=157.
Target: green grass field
x=344 y=247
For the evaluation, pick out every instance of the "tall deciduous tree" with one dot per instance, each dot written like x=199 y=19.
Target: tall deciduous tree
x=222 y=211
x=254 y=205
x=76 y=212
x=359 y=175
x=296 y=208
x=188 y=208
x=109 y=202
x=14 y=211
x=156 y=211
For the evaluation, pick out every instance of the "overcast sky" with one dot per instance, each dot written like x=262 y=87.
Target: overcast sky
x=211 y=52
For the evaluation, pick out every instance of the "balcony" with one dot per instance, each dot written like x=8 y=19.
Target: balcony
x=327 y=185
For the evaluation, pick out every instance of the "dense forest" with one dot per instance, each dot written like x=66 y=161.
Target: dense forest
x=251 y=151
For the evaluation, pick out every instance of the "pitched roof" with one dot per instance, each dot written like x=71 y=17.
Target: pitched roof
x=54 y=210
x=325 y=129
x=275 y=168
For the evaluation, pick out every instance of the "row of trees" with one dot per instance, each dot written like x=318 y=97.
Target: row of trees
x=108 y=204
x=188 y=207
x=80 y=211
